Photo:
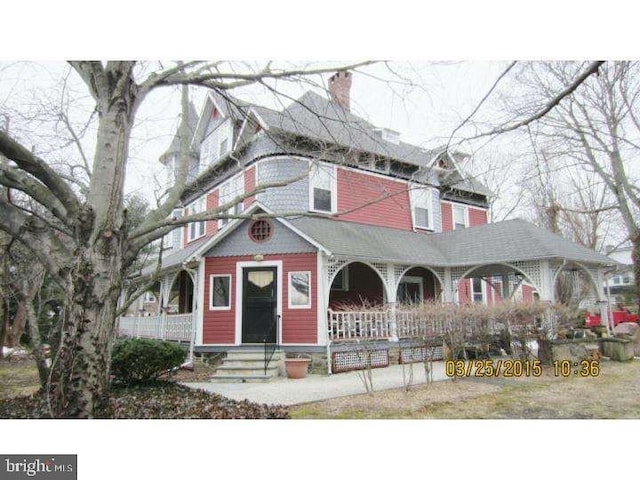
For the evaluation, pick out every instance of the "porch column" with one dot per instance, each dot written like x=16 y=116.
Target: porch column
x=194 y=307
x=392 y=299
x=447 y=291
x=547 y=293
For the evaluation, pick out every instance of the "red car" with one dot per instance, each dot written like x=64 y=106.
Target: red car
x=619 y=316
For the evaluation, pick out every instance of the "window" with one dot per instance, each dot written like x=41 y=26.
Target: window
x=411 y=290
x=230 y=190
x=617 y=280
x=341 y=280
x=322 y=188
x=626 y=278
x=476 y=290
x=299 y=289
x=459 y=217
x=219 y=292
x=260 y=230
x=149 y=297
x=196 y=229
x=421 y=207
x=216 y=143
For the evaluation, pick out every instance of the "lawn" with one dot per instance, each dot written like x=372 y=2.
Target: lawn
x=615 y=393
x=164 y=399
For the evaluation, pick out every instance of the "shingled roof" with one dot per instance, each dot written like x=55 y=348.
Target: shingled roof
x=519 y=241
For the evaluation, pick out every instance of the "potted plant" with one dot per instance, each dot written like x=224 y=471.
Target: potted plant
x=297 y=367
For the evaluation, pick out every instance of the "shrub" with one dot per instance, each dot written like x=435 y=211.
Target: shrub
x=142 y=360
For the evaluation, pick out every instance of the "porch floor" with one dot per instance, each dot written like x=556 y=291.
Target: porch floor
x=285 y=391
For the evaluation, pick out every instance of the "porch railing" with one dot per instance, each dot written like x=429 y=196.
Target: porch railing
x=176 y=327
x=356 y=325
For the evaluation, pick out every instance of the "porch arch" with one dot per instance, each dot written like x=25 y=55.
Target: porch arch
x=185 y=291
x=490 y=270
x=384 y=287
x=400 y=275
x=595 y=289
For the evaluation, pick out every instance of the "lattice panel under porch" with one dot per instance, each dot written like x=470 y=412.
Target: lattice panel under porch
x=358 y=360
x=420 y=354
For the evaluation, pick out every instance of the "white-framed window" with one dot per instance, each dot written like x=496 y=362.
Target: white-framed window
x=220 y=292
x=323 y=188
x=411 y=290
x=617 y=280
x=149 y=297
x=197 y=229
x=341 y=280
x=459 y=217
x=421 y=207
x=299 y=289
x=229 y=190
x=476 y=290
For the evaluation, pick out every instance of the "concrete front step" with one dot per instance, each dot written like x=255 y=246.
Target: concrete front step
x=248 y=356
x=272 y=370
x=246 y=366
x=241 y=378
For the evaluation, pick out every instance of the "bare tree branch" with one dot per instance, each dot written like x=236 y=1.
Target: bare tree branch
x=590 y=70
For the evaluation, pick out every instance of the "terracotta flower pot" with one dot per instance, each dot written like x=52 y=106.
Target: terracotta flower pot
x=297 y=367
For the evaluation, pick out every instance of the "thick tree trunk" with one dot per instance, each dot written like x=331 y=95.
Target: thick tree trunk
x=79 y=381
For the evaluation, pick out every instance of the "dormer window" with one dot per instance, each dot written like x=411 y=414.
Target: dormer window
x=322 y=188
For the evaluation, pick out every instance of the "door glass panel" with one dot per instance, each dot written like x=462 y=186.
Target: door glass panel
x=261 y=279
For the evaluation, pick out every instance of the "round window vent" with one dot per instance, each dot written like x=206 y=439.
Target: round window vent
x=260 y=230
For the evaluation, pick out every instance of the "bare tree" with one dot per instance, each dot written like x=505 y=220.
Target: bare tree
x=86 y=242
x=597 y=130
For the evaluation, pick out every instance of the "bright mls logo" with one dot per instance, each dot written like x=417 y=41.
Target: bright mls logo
x=50 y=467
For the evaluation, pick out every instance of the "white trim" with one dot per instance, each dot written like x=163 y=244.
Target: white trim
x=334 y=185
x=322 y=301
x=289 y=289
x=200 y=313
x=211 y=277
x=239 y=273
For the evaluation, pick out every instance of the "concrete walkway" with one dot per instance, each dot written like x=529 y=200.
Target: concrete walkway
x=285 y=391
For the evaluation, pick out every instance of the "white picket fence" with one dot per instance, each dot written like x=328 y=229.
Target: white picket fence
x=175 y=327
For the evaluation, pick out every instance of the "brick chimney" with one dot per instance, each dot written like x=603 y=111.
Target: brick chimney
x=340 y=89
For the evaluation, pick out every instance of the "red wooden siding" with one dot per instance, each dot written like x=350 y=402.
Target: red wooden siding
x=219 y=326
x=298 y=325
x=447 y=217
x=356 y=189
x=212 y=225
x=527 y=293
x=477 y=216
x=249 y=185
